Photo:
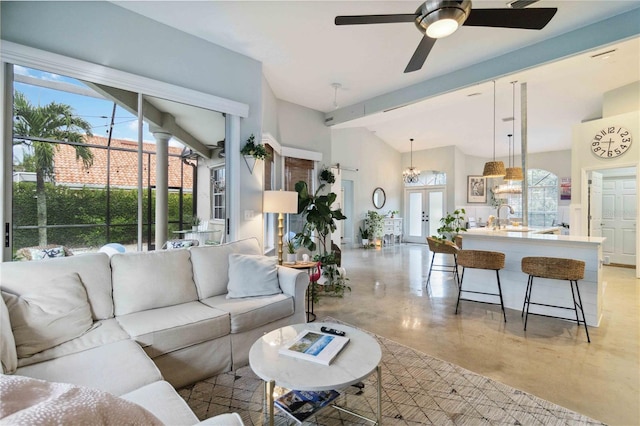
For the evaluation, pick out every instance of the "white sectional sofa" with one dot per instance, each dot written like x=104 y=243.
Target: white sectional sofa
x=131 y=323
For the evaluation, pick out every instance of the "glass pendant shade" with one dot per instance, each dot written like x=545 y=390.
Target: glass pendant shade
x=494 y=169
x=411 y=174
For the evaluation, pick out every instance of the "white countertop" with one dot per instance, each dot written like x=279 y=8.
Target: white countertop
x=529 y=233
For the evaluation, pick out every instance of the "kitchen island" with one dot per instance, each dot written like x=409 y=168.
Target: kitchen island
x=519 y=242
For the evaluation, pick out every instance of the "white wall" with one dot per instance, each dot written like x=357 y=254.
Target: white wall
x=621 y=100
x=378 y=165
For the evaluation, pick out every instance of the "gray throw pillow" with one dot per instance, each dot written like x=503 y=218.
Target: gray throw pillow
x=252 y=275
x=58 y=312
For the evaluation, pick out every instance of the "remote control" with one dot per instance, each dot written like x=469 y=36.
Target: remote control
x=332 y=331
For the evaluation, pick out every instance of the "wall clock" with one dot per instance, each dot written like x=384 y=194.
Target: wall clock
x=611 y=142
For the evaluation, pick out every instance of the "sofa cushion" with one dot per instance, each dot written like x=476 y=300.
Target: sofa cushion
x=211 y=265
x=162 y=400
x=164 y=330
x=118 y=368
x=93 y=269
x=8 y=354
x=42 y=319
x=28 y=401
x=149 y=280
x=102 y=333
x=249 y=313
x=252 y=275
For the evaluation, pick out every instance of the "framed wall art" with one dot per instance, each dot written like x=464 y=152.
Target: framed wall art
x=476 y=189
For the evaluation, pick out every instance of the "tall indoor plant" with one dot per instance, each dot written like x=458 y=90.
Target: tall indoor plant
x=319 y=221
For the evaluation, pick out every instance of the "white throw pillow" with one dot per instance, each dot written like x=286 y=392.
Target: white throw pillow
x=58 y=312
x=252 y=275
x=8 y=355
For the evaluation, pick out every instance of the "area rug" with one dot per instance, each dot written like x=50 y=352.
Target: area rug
x=417 y=390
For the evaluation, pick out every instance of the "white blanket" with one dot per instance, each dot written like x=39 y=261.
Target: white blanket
x=27 y=401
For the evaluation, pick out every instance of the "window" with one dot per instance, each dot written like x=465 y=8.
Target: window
x=295 y=170
x=543 y=198
x=218 y=210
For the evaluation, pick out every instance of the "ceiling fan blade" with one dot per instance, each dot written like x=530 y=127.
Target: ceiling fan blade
x=420 y=55
x=528 y=19
x=374 y=19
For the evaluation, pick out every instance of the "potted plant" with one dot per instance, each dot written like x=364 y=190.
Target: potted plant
x=375 y=224
x=291 y=252
x=253 y=151
x=327 y=175
x=451 y=225
x=319 y=221
x=392 y=213
x=195 y=222
x=364 y=235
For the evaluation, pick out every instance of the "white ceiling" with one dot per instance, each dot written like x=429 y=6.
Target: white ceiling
x=303 y=53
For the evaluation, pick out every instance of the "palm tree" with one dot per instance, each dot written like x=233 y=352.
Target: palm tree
x=53 y=121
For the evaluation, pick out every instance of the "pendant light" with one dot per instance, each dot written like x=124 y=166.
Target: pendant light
x=411 y=174
x=513 y=173
x=494 y=169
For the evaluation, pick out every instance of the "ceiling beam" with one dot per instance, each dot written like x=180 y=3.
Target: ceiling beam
x=129 y=101
x=607 y=31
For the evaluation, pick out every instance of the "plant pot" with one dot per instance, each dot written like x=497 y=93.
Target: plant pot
x=291 y=257
x=365 y=242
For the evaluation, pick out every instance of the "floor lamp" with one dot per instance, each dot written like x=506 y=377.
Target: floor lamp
x=280 y=202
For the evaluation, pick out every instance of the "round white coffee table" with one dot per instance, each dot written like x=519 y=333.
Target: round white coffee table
x=356 y=361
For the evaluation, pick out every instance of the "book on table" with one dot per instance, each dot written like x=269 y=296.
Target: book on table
x=315 y=346
x=300 y=405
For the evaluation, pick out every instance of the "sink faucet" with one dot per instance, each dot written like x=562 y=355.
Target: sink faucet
x=498 y=213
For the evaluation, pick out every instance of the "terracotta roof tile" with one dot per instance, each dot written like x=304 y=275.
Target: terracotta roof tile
x=70 y=171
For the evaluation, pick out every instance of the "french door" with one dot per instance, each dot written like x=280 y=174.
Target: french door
x=424 y=208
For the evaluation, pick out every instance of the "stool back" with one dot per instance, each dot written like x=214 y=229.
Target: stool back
x=480 y=259
x=438 y=246
x=554 y=268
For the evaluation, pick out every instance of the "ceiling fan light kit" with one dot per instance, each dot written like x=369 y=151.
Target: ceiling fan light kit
x=438 y=19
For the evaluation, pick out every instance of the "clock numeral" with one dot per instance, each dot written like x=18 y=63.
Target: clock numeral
x=596 y=149
x=623 y=147
x=624 y=134
x=625 y=140
x=604 y=132
x=597 y=138
x=618 y=152
x=595 y=143
x=612 y=129
x=610 y=154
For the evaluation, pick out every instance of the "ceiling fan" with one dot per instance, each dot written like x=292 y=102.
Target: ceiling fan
x=440 y=18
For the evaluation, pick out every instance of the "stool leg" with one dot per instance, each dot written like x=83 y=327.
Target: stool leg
x=584 y=319
x=526 y=292
x=456 y=276
x=528 y=299
x=430 y=268
x=500 y=292
x=575 y=303
x=459 y=290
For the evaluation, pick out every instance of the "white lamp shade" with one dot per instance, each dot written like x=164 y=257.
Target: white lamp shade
x=280 y=202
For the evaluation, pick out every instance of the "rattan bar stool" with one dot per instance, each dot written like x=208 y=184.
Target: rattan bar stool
x=558 y=269
x=479 y=259
x=443 y=247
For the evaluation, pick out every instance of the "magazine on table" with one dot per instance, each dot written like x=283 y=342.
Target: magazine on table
x=315 y=346
x=300 y=405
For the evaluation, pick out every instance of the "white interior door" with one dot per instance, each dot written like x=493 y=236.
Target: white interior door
x=595 y=204
x=424 y=208
x=619 y=217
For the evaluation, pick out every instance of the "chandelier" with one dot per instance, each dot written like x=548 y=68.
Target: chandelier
x=411 y=174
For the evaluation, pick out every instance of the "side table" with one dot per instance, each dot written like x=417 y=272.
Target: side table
x=311 y=317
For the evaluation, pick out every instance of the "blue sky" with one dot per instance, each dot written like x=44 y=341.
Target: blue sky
x=96 y=111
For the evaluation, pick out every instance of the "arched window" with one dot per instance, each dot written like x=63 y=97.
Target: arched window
x=543 y=198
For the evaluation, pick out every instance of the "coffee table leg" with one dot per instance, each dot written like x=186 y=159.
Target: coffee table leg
x=268 y=395
x=379 y=374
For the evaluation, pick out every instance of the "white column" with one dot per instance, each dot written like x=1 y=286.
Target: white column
x=162 y=186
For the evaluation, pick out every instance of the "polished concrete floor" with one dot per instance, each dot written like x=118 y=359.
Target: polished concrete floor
x=553 y=360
